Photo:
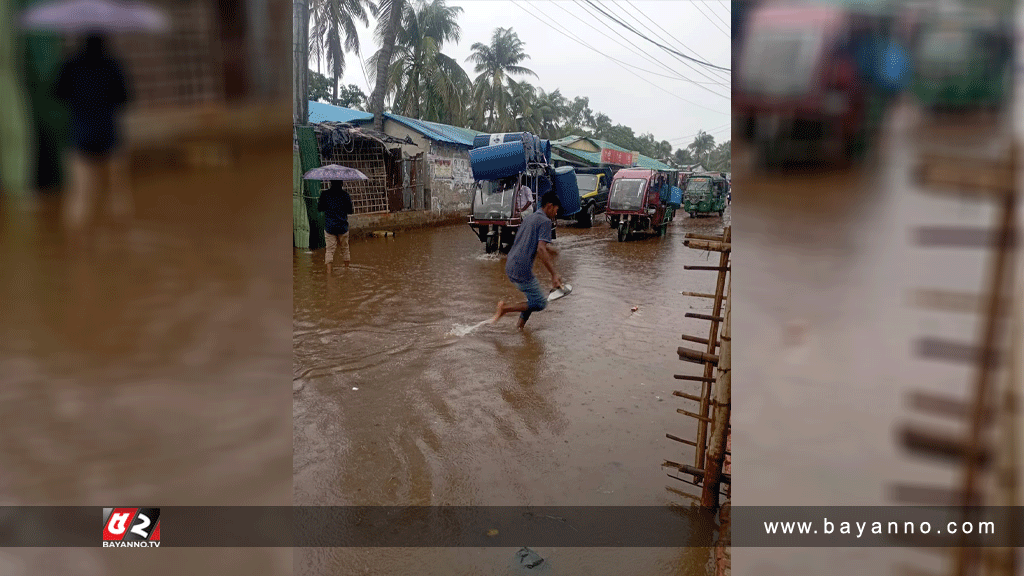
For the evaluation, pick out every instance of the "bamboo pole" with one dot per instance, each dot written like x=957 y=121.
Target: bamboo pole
x=698 y=295
x=1006 y=559
x=966 y=558
x=697 y=356
x=709 y=245
x=709 y=369
x=696 y=236
x=722 y=415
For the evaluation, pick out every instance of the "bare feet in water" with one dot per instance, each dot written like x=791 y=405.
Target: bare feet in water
x=499 y=312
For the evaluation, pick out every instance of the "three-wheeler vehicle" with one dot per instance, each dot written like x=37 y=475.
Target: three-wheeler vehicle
x=705 y=194
x=594 y=184
x=495 y=218
x=804 y=87
x=638 y=202
x=964 y=61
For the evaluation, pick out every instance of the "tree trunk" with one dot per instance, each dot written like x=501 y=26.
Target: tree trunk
x=387 y=51
x=300 y=65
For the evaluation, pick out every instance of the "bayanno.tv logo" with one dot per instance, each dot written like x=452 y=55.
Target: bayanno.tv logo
x=131 y=527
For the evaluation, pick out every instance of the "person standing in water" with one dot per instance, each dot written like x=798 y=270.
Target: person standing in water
x=532 y=240
x=94 y=87
x=336 y=204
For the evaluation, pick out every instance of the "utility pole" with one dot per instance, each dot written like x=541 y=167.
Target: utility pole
x=300 y=63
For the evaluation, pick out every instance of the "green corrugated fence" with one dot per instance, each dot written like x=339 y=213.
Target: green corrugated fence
x=309 y=154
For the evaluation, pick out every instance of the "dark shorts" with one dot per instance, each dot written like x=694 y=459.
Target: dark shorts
x=535 y=297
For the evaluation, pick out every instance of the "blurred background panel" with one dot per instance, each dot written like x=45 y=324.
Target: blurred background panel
x=872 y=145
x=151 y=368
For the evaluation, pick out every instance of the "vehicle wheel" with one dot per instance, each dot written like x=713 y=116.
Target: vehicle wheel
x=613 y=222
x=586 y=216
x=721 y=213
x=623 y=231
x=492 y=244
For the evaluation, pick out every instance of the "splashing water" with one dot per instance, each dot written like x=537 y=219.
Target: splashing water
x=461 y=330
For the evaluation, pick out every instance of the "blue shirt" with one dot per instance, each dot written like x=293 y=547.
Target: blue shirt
x=535 y=228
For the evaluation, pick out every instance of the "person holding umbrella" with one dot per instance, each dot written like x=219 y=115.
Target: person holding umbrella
x=336 y=204
x=95 y=88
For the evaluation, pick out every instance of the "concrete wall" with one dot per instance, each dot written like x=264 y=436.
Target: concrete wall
x=366 y=224
x=449 y=178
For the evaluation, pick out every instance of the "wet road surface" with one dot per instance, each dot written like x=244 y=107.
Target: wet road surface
x=825 y=333
x=401 y=399
x=150 y=371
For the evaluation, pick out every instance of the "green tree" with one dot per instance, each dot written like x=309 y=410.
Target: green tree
x=334 y=32
x=721 y=157
x=683 y=157
x=320 y=87
x=701 y=146
x=495 y=64
x=351 y=96
x=424 y=82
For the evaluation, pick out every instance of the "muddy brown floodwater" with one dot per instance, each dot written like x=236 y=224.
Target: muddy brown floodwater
x=825 y=334
x=150 y=371
x=401 y=399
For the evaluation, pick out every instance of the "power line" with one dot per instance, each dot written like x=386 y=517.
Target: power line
x=695 y=53
x=711 y=132
x=713 y=23
x=641 y=51
x=713 y=79
x=719 y=75
x=625 y=67
x=647 y=56
x=662 y=46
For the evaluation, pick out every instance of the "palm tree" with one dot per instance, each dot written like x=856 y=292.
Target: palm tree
x=424 y=82
x=495 y=63
x=702 y=145
x=389 y=22
x=334 y=20
x=524 y=113
x=554 y=110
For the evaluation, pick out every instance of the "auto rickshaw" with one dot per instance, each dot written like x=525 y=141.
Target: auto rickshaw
x=638 y=202
x=805 y=84
x=705 y=194
x=964 y=61
x=495 y=219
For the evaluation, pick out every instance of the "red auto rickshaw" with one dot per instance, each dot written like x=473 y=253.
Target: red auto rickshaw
x=636 y=202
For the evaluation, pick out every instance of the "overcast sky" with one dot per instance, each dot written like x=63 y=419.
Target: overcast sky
x=670 y=106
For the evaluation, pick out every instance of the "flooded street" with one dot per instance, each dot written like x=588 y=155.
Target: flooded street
x=401 y=397
x=827 y=334
x=149 y=371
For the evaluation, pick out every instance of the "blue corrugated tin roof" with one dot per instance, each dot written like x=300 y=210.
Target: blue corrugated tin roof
x=320 y=112
x=437 y=132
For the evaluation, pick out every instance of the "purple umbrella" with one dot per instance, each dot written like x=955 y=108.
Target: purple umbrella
x=83 y=16
x=334 y=172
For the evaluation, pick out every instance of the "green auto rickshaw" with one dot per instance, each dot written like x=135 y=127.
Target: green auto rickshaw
x=964 y=63
x=704 y=194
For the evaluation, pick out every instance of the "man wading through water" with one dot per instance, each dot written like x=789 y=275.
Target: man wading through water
x=533 y=239
x=336 y=205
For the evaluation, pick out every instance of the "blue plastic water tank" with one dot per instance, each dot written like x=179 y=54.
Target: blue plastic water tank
x=497 y=162
x=567 y=189
x=482 y=140
x=675 y=199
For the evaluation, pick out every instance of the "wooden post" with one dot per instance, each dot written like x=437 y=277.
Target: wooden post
x=720 y=421
x=709 y=369
x=967 y=558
